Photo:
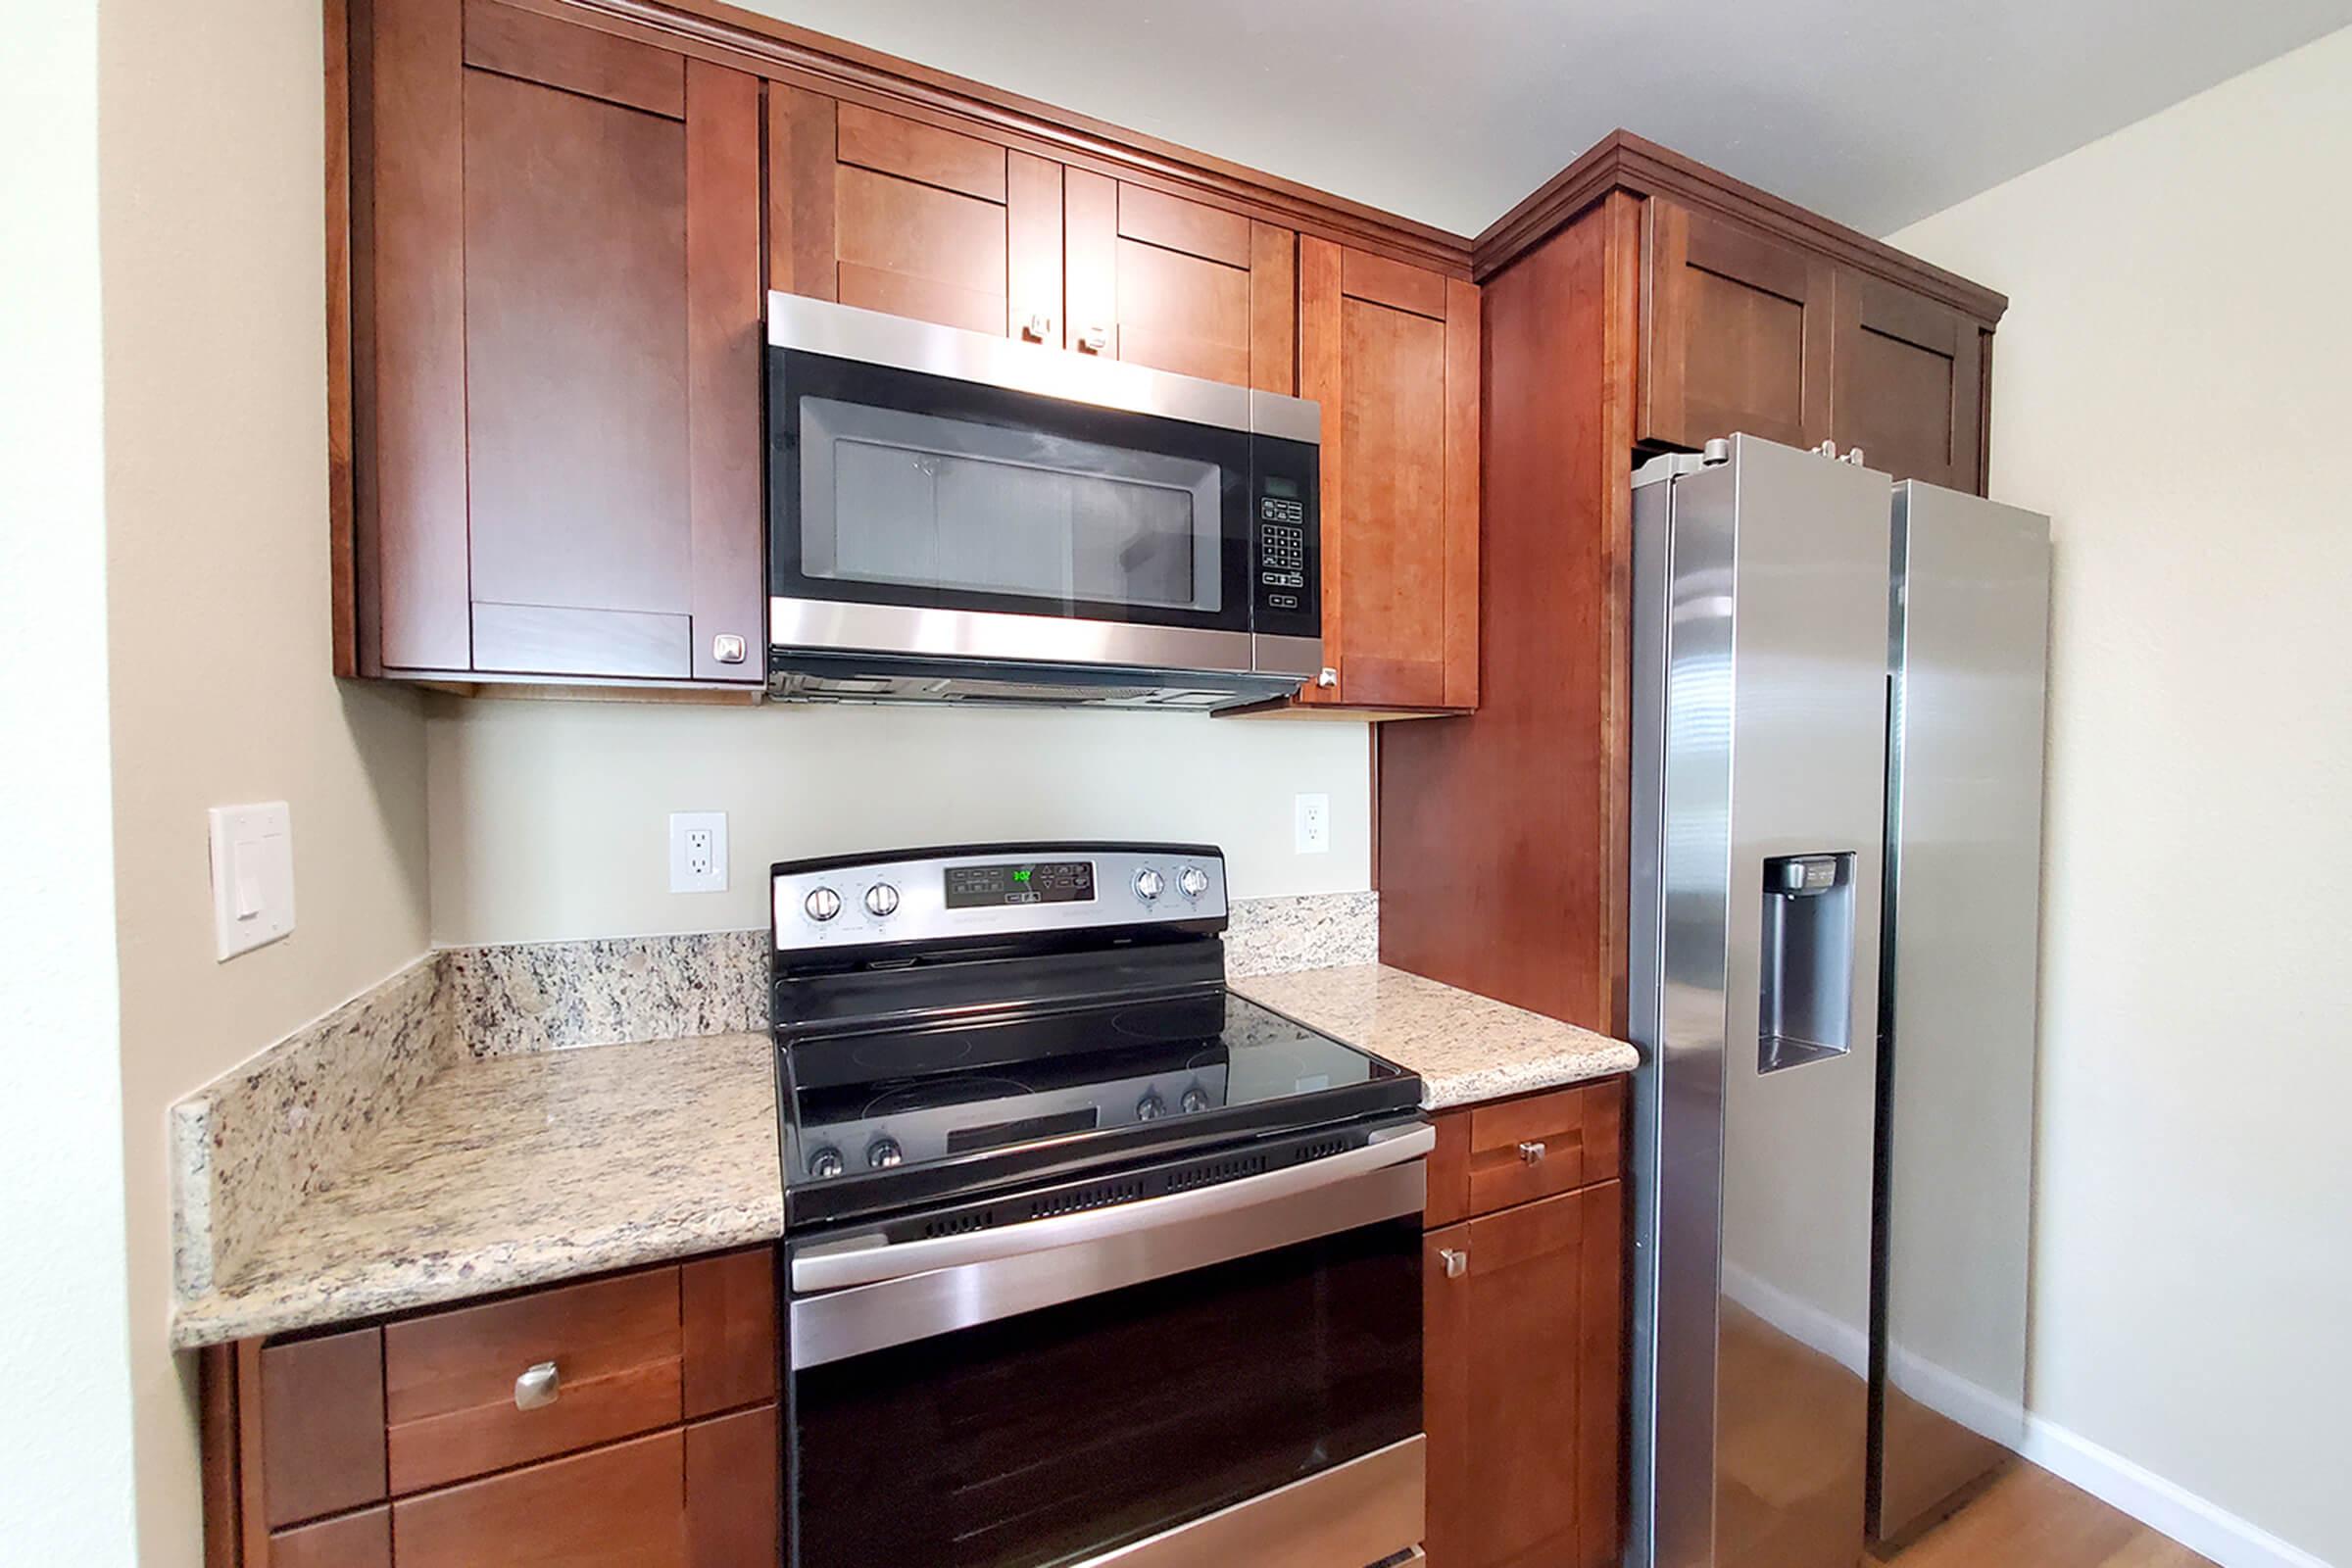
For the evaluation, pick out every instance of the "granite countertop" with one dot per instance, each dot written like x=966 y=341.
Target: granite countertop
x=1466 y=1047
x=517 y=1170
x=508 y=1171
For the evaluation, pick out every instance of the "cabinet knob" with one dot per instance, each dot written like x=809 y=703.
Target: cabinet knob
x=1854 y=455
x=727 y=648
x=1093 y=340
x=538 y=1387
x=1533 y=1154
x=1039 y=328
x=1328 y=677
x=1456 y=1263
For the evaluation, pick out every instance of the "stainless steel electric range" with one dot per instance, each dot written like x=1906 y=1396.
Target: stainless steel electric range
x=1090 y=1260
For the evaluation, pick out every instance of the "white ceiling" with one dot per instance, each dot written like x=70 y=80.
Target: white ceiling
x=1449 y=111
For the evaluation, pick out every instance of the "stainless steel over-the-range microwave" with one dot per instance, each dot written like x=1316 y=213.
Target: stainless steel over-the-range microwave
x=957 y=516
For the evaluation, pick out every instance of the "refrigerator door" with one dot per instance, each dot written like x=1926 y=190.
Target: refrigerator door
x=1968 y=653
x=1759 y=724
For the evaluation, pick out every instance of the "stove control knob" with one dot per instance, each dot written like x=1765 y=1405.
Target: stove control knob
x=1150 y=1107
x=1192 y=881
x=881 y=899
x=826 y=1162
x=1149 y=884
x=1196 y=1099
x=882 y=1153
x=822 y=903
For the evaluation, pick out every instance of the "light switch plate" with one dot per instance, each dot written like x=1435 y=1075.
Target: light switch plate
x=698 y=851
x=1312 y=820
x=253 y=876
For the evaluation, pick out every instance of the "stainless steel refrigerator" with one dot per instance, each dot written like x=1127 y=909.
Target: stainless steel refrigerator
x=1838 y=717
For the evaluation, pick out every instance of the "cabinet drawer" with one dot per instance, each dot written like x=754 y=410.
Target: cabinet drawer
x=451 y=1379
x=1510 y=1152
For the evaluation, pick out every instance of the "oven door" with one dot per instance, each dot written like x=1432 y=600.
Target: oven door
x=1227 y=1374
x=938 y=493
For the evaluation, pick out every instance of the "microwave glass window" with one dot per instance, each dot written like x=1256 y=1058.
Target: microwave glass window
x=920 y=500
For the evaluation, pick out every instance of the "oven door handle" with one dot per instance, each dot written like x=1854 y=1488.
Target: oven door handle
x=873 y=1296
x=869 y=1258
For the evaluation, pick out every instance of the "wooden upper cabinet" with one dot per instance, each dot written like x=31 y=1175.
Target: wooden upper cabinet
x=1746 y=331
x=565 y=340
x=1738 y=333
x=896 y=214
x=1391 y=354
x=1522 y=1367
x=1177 y=286
x=1910 y=384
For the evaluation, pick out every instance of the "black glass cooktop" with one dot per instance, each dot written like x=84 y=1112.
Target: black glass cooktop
x=878 y=1119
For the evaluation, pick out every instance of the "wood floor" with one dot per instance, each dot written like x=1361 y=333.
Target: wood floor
x=2029 y=1518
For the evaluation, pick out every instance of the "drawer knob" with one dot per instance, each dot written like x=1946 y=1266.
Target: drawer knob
x=1093 y=340
x=1455 y=1261
x=538 y=1387
x=1533 y=1154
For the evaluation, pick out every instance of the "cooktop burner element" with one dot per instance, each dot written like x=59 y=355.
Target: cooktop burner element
x=953 y=1045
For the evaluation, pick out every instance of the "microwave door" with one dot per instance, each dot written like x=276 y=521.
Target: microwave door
x=938 y=505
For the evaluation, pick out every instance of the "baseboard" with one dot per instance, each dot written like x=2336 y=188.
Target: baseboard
x=2158 y=1504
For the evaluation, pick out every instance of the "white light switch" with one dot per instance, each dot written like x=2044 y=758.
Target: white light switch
x=253 y=876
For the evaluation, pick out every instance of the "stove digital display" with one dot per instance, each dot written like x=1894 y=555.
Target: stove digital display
x=984 y=887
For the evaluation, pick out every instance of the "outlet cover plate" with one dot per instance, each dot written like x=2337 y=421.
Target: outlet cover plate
x=1312 y=820
x=698 y=851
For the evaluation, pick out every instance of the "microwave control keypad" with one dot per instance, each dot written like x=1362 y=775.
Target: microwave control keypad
x=1281 y=543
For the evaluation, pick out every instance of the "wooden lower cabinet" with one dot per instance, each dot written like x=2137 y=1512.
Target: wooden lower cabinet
x=699 y=1497
x=1524 y=1369
x=432 y=1440
x=361 y=1539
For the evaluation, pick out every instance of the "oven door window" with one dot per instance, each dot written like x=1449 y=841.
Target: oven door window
x=1048 y=1438
x=892 y=488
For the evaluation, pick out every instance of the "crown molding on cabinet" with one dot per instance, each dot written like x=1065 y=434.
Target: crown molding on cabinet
x=1623 y=161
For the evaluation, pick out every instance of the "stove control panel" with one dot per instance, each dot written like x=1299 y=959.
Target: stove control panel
x=996 y=890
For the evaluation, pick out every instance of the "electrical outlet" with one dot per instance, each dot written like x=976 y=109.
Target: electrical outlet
x=698 y=851
x=1311 y=816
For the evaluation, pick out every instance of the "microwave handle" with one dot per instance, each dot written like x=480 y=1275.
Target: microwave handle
x=911 y=1291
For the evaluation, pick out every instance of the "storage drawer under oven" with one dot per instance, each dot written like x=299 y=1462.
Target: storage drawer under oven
x=1145 y=1384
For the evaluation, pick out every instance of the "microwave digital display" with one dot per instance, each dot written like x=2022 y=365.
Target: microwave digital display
x=981 y=887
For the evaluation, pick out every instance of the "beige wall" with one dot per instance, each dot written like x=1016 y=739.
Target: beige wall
x=2174 y=385
x=551 y=819
x=211 y=128
x=65 y=1420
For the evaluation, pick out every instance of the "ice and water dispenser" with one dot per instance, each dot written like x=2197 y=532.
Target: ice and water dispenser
x=1806 y=973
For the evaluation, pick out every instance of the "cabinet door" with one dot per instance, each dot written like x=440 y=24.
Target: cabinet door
x=619 y=1507
x=1737 y=333
x=1390 y=352
x=896 y=214
x=566 y=347
x=1155 y=279
x=1910 y=384
x=1522 y=1371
